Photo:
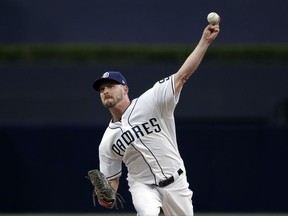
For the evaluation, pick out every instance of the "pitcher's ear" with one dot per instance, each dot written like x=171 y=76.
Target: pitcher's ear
x=126 y=89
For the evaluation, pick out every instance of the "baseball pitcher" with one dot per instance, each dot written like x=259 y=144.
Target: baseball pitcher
x=142 y=134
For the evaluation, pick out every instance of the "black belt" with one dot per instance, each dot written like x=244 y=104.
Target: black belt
x=170 y=180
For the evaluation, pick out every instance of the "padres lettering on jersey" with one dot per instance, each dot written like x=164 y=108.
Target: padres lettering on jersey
x=136 y=132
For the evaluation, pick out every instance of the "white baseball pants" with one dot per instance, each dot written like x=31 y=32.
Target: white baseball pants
x=174 y=199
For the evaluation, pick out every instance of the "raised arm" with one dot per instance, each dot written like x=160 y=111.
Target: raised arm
x=195 y=58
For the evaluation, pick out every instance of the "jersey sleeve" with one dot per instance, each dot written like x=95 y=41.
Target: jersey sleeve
x=111 y=168
x=109 y=164
x=164 y=95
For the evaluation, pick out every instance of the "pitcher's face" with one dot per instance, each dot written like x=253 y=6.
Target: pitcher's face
x=111 y=93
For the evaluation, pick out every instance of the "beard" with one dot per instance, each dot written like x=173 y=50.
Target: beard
x=110 y=102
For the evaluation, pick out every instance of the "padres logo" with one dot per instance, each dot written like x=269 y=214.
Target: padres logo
x=136 y=132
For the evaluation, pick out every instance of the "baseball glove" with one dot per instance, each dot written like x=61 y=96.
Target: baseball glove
x=103 y=191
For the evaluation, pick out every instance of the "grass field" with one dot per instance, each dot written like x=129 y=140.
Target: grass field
x=133 y=214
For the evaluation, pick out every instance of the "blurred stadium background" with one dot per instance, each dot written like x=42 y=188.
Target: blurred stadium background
x=232 y=119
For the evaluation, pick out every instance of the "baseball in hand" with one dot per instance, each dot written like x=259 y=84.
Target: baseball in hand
x=213 y=18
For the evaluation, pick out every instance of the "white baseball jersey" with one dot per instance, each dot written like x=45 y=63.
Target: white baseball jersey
x=145 y=138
